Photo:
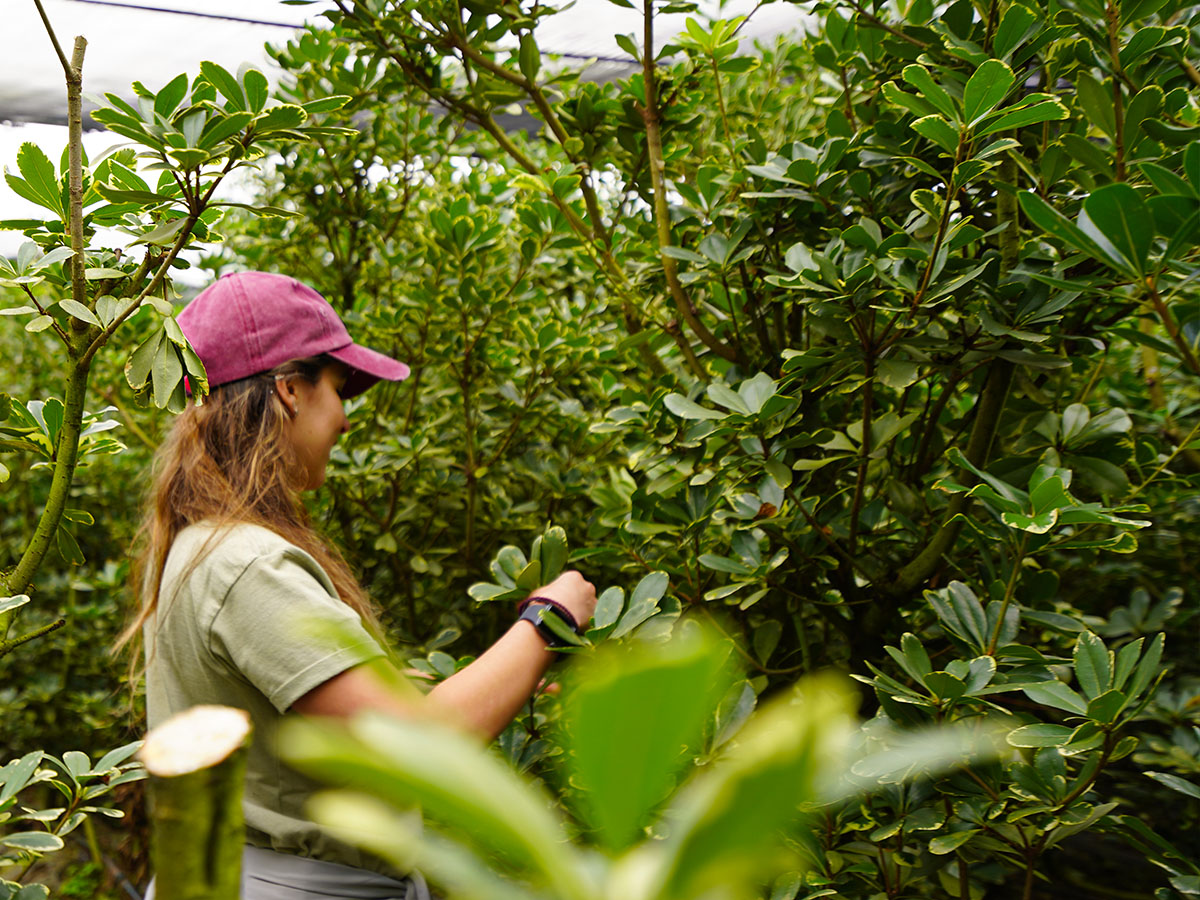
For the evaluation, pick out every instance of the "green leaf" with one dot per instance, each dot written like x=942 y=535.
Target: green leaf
x=280 y=118
x=1034 y=114
x=609 y=605
x=52 y=414
x=1057 y=621
x=255 y=88
x=687 y=409
x=1105 y=708
x=918 y=106
x=482 y=592
x=1040 y=735
x=938 y=130
x=1057 y=695
x=167 y=372
x=77 y=763
x=326 y=104
x=225 y=83
x=985 y=89
x=57 y=255
x=137 y=368
x=945 y=686
x=634 y=721
x=624 y=41
x=8 y=604
x=32 y=841
x=168 y=99
x=1055 y=223
x=1116 y=214
x=79 y=311
x=726 y=825
x=1015 y=26
x=114 y=758
x=529 y=58
x=643 y=602
x=959 y=610
x=918 y=664
x=1125 y=662
x=16 y=774
x=948 y=843
x=919 y=77
x=41 y=184
x=1147 y=668
x=1093 y=665
x=1175 y=783
x=721 y=393
x=69 y=547
x=221 y=128
x=122 y=195
x=455 y=780
x=398 y=837
x=723 y=564
x=756 y=391
x=553 y=552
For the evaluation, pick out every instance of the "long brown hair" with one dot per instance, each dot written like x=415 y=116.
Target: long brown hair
x=229 y=461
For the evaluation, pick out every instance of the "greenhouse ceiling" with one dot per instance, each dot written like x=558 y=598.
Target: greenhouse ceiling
x=154 y=41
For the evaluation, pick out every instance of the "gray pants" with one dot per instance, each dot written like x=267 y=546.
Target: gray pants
x=267 y=875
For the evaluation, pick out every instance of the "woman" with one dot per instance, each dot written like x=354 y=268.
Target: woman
x=244 y=604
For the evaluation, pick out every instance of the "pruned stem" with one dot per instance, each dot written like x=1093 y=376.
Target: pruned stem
x=74 y=77
x=196 y=762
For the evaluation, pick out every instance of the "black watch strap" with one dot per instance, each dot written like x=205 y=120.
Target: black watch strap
x=545 y=616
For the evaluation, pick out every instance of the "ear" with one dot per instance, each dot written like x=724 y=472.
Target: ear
x=285 y=389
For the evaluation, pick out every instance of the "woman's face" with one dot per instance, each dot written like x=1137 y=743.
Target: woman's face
x=318 y=422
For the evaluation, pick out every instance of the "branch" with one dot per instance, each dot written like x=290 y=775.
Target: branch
x=155 y=283
x=41 y=309
x=7 y=647
x=662 y=213
x=62 y=57
x=1178 y=338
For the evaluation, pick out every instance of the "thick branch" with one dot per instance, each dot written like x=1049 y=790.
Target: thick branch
x=987 y=419
x=66 y=453
x=75 y=177
x=662 y=213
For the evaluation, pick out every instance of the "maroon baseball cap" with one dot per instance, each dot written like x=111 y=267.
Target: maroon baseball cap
x=250 y=322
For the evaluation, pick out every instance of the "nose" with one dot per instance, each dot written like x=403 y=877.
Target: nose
x=345 y=421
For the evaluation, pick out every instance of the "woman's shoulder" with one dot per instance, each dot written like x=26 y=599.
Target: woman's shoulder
x=233 y=545
x=246 y=536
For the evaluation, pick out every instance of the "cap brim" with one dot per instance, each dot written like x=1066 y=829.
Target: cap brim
x=367 y=367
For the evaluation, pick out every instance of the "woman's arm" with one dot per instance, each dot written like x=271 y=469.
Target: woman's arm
x=482 y=698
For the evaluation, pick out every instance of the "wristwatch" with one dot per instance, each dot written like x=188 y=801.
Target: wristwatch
x=552 y=620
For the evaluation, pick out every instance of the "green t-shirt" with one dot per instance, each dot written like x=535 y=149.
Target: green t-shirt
x=256 y=625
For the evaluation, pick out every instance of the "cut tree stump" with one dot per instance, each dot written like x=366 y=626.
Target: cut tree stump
x=196 y=762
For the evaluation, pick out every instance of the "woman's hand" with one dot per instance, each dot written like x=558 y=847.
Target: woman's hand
x=574 y=592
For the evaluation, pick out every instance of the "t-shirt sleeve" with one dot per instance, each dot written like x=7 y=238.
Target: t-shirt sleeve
x=284 y=632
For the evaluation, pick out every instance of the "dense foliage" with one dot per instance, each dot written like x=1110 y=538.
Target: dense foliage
x=880 y=344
